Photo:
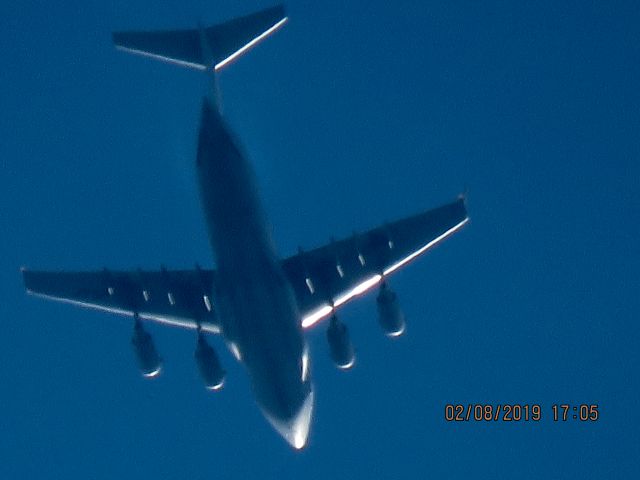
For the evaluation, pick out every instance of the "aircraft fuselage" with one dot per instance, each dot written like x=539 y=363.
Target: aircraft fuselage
x=255 y=303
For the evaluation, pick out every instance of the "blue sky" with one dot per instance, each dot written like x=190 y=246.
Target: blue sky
x=353 y=114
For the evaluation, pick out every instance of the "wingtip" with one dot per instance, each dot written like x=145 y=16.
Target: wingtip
x=23 y=272
x=27 y=280
x=281 y=8
x=117 y=39
x=464 y=198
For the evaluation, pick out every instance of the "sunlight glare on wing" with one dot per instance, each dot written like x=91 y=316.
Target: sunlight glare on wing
x=317 y=315
x=171 y=320
x=359 y=289
x=325 y=310
x=436 y=240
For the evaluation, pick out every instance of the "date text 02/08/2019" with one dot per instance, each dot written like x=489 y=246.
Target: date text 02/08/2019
x=516 y=412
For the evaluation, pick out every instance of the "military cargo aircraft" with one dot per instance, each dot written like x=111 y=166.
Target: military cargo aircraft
x=257 y=301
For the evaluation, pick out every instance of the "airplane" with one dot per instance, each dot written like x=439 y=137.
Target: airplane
x=259 y=303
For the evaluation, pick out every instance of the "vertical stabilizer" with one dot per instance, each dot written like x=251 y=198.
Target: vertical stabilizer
x=209 y=60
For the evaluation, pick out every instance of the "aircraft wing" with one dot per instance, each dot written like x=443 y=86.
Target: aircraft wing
x=323 y=279
x=175 y=297
x=328 y=277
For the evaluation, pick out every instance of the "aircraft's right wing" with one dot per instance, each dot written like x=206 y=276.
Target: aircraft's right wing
x=328 y=277
x=175 y=297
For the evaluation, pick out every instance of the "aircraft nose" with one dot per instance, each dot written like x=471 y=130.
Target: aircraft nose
x=295 y=430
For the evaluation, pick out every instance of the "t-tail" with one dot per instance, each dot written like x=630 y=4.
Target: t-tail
x=205 y=47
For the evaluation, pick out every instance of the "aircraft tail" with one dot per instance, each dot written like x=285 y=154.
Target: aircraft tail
x=203 y=48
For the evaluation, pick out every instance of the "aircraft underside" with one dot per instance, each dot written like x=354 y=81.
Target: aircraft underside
x=259 y=303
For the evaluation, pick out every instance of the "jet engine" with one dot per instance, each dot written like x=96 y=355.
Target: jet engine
x=209 y=366
x=342 y=352
x=149 y=361
x=390 y=314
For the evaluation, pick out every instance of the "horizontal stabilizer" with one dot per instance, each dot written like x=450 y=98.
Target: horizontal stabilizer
x=223 y=42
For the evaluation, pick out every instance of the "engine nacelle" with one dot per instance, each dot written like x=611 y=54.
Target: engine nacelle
x=149 y=361
x=209 y=366
x=390 y=314
x=342 y=352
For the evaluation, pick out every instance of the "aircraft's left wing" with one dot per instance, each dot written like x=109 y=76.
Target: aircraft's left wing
x=328 y=277
x=175 y=297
